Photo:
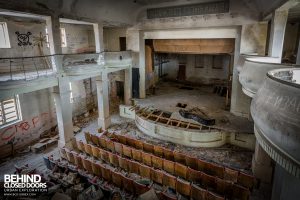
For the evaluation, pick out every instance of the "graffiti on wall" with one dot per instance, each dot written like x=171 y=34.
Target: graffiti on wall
x=23 y=38
x=27 y=126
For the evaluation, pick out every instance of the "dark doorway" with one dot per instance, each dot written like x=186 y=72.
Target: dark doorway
x=181 y=72
x=135 y=83
x=122 y=43
x=120 y=89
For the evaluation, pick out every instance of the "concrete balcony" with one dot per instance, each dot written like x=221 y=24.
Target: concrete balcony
x=254 y=70
x=27 y=74
x=276 y=113
x=81 y=64
x=26 y=68
x=117 y=59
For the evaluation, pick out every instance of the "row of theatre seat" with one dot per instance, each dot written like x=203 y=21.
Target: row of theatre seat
x=144 y=152
x=111 y=174
x=160 y=170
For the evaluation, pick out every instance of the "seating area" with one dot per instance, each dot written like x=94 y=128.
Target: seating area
x=113 y=157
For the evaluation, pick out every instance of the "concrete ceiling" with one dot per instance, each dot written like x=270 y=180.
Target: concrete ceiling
x=119 y=12
x=294 y=14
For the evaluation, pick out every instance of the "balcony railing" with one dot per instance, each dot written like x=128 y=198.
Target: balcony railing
x=26 y=68
x=30 y=68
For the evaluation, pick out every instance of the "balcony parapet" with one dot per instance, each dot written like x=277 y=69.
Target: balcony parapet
x=254 y=70
x=117 y=58
x=276 y=113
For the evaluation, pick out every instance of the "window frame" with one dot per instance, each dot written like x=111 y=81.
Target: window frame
x=18 y=112
x=7 y=44
x=63 y=37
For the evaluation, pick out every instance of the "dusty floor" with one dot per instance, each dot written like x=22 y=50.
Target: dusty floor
x=166 y=98
x=168 y=94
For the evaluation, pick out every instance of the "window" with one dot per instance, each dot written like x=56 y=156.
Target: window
x=4 y=39
x=47 y=38
x=199 y=61
x=63 y=37
x=71 y=94
x=10 y=111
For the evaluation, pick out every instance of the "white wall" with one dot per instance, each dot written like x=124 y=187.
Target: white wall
x=38 y=115
x=23 y=26
x=254 y=38
x=111 y=38
x=80 y=38
x=205 y=75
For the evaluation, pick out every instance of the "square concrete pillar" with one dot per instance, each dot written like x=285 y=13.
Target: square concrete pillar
x=98 y=32
x=53 y=29
x=262 y=166
x=128 y=86
x=278 y=24
x=102 y=84
x=63 y=105
x=142 y=67
x=298 y=55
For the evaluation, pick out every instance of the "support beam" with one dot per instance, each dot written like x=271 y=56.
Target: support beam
x=142 y=67
x=298 y=54
x=98 y=32
x=240 y=103
x=53 y=28
x=102 y=84
x=278 y=24
x=63 y=112
x=128 y=86
x=262 y=165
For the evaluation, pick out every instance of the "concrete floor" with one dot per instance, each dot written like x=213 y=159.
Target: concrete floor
x=168 y=95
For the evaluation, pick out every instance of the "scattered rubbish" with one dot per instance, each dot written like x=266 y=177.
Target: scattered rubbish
x=181 y=105
x=198 y=116
x=76 y=129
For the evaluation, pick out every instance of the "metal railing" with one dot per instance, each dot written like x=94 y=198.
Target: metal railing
x=29 y=68
x=26 y=68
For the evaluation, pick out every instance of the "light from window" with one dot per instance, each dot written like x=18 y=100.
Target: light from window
x=10 y=111
x=4 y=38
x=47 y=38
x=63 y=37
x=71 y=93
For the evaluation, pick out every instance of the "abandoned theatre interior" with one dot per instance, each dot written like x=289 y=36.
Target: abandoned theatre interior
x=150 y=99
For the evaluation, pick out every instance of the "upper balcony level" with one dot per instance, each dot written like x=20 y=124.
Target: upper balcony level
x=276 y=113
x=26 y=74
x=253 y=70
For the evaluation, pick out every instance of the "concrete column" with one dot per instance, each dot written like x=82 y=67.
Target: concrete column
x=298 y=54
x=102 y=84
x=98 y=32
x=53 y=28
x=63 y=112
x=278 y=24
x=240 y=103
x=128 y=86
x=142 y=67
x=262 y=165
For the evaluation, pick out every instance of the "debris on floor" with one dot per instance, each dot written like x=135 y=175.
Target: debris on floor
x=197 y=115
x=44 y=143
